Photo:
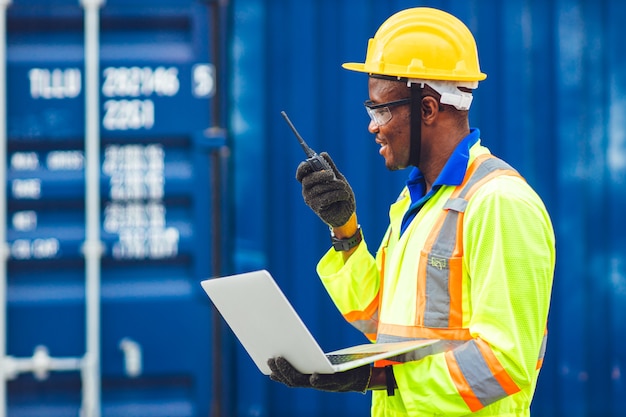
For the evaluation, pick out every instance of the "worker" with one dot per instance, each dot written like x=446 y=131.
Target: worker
x=469 y=254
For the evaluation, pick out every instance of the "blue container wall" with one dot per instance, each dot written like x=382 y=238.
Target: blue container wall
x=160 y=199
x=552 y=105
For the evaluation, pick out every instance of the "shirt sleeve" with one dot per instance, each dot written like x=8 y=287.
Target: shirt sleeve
x=353 y=286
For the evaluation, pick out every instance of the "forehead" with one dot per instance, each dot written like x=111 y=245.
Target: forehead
x=386 y=90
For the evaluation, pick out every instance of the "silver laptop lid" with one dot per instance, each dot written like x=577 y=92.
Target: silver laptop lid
x=264 y=321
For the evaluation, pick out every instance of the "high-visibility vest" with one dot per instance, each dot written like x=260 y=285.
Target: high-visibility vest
x=433 y=249
x=440 y=274
x=439 y=296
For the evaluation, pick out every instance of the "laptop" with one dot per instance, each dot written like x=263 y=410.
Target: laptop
x=266 y=324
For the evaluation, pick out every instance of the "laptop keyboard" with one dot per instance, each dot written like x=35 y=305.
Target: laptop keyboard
x=348 y=357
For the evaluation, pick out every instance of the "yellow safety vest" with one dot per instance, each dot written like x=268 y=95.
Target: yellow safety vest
x=474 y=269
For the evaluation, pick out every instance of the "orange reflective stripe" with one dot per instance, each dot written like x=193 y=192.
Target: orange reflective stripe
x=478 y=375
x=365 y=320
x=461 y=384
x=498 y=372
x=420 y=296
x=542 y=350
x=455 y=279
x=422 y=272
x=385 y=362
x=470 y=172
x=413 y=332
x=539 y=364
x=363 y=315
x=435 y=267
x=488 y=177
x=428 y=245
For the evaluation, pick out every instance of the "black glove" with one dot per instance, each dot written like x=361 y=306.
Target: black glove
x=327 y=193
x=284 y=372
x=356 y=379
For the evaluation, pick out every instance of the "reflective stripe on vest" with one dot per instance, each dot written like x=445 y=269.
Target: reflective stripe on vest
x=439 y=307
x=475 y=370
x=478 y=375
x=542 y=350
x=444 y=248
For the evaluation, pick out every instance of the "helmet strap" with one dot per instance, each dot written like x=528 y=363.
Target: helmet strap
x=415 y=143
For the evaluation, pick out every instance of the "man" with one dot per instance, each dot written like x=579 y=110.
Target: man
x=468 y=257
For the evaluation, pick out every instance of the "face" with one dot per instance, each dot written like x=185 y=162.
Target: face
x=394 y=136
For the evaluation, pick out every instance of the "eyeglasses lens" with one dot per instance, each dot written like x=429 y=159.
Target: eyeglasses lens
x=380 y=115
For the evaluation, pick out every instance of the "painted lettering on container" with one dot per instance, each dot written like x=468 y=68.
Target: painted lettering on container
x=128 y=114
x=24 y=220
x=56 y=83
x=203 y=80
x=128 y=91
x=27 y=189
x=136 y=213
x=24 y=249
x=140 y=82
x=132 y=113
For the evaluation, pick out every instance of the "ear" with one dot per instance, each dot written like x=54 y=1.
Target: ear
x=430 y=109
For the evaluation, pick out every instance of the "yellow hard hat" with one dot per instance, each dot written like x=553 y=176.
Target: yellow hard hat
x=422 y=43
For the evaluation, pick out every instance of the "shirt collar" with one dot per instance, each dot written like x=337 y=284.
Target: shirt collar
x=453 y=171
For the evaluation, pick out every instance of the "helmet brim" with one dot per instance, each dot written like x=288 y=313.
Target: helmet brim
x=354 y=66
x=361 y=67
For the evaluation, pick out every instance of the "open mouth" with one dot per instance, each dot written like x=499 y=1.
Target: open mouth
x=383 y=146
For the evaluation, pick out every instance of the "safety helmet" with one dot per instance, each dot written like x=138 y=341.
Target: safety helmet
x=422 y=43
x=422 y=46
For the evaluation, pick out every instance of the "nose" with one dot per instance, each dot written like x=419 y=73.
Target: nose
x=372 y=127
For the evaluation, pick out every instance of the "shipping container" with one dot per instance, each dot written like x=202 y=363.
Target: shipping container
x=145 y=151
x=552 y=106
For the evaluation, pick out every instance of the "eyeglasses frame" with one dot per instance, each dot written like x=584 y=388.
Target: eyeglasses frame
x=369 y=105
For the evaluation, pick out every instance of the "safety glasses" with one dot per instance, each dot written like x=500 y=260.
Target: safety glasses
x=380 y=113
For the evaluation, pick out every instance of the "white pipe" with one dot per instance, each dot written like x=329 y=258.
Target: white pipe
x=4 y=251
x=40 y=364
x=93 y=246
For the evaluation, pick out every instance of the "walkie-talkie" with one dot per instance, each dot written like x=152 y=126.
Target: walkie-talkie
x=316 y=162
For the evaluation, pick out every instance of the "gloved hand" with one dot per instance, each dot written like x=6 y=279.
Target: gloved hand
x=356 y=379
x=327 y=193
x=284 y=372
